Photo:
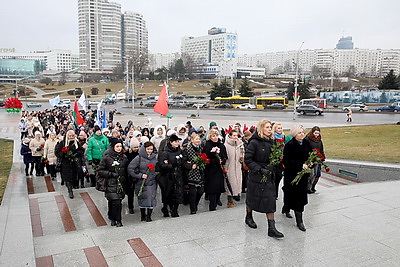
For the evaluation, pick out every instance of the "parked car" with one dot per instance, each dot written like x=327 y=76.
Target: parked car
x=388 y=109
x=275 y=106
x=1 y=102
x=200 y=105
x=62 y=105
x=224 y=105
x=356 y=107
x=94 y=102
x=33 y=105
x=306 y=109
x=246 y=106
x=150 y=104
x=109 y=101
x=66 y=101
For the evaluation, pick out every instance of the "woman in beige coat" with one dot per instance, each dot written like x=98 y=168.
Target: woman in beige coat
x=233 y=165
x=49 y=154
x=37 y=147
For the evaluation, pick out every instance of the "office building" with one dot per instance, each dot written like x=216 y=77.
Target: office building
x=135 y=40
x=345 y=43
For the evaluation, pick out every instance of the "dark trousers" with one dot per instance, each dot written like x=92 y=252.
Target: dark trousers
x=195 y=194
x=213 y=201
x=27 y=168
x=130 y=200
x=39 y=166
x=52 y=170
x=115 y=210
x=23 y=135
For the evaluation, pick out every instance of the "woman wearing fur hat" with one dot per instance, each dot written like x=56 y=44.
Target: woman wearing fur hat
x=113 y=167
x=49 y=154
x=27 y=154
x=71 y=154
x=36 y=145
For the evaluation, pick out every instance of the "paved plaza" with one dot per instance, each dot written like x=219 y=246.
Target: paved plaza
x=348 y=224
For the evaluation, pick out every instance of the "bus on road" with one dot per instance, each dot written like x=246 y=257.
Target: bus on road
x=262 y=102
x=235 y=101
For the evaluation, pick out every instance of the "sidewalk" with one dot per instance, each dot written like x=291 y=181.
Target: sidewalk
x=348 y=224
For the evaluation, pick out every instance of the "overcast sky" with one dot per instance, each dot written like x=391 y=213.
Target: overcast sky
x=262 y=25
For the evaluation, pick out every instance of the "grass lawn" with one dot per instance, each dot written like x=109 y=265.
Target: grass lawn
x=379 y=143
x=5 y=164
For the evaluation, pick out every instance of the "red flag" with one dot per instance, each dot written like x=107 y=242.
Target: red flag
x=161 y=107
x=77 y=116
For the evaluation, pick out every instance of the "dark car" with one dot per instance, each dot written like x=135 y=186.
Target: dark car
x=388 y=109
x=1 y=103
x=109 y=101
x=275 y=106
x=224 y=105
x=306 y=109
x=150 y=104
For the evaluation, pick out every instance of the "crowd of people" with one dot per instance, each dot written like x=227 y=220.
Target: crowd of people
x=184 y=162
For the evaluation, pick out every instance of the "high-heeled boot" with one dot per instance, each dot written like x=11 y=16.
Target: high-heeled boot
x=70 y=192
x=174 y=210
x=148 y=216
x=249 y=220
x=299 y=220
x=143 y=214
x=272 y=232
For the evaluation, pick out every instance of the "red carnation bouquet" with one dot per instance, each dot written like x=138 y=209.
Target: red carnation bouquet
x=200 y=160
x=69 y=155
x=315 y=158
x=150 y=167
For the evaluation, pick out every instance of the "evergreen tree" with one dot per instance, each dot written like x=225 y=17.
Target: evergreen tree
x=303 y=89
x=245 y=90
x=390 y=81
x=222 y=90
x=180 y=69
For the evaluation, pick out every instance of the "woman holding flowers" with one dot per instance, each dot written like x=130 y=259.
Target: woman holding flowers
x=113 y=167
x=36 y=145
x=295 y=155
x=49 y=153
x=197 y=163
x=214 y=172
x=260 y=157
x=142 y=168
x=235 y=151
x=314 y=137
x=70 y=151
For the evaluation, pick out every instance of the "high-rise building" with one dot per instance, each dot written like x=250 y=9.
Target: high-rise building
x=218 y=47
x=135 y=40
x=345 y=43
x=99 y=35
x=159 y=60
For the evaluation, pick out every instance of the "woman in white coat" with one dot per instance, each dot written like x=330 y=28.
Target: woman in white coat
x=49 y=154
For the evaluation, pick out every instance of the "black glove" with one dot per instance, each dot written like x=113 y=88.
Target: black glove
x=265 y=171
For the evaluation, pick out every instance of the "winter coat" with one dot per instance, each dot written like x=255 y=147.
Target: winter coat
x=260 y=196
x=196 y=176
x=233 y=165
x=94 y=150
x=171 y=177
x=27 y=154
x=37 y=147
x=316 y=144
x=294 y=156
x=214 y=177
x=156 y=139
x=49 y=151
x=69 y=169
x=136 y=169
x=115 y=175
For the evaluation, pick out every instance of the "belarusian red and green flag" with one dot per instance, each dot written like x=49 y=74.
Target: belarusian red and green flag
x=161 y=107
x=77 y=116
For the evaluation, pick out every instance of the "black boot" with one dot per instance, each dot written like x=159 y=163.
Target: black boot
x=287 y=213
x=143 y=214
x=131 y=211
x=70 y=192
x=249 y=220
x=272 y=232
x=148 y=216
x=174 y=211
x=113 y=223
x=299 y=220
x=164 y=210
x=118 y=224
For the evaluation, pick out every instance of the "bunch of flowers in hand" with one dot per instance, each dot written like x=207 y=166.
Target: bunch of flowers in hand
x=275 y=158
x=40 y=148
x=117 y=169
x=314 y=158
x=201 y=160
x=45 y=160
x=69 y=155
x=150 y=167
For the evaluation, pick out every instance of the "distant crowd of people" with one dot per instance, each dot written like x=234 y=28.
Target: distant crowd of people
x=184 y=162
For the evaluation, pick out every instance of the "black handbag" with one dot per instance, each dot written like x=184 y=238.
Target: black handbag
x=101 y=184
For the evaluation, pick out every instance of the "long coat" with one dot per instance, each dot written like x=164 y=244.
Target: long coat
x=214 y=177
x=69 y=169
x=172 y=174
x=95 y=150
x=27 y=154
x=136 y=169
x=37 y=147
x=115 y=175
x=49 y=151
x=196 y=176
x=260 y=196
x=233 y=165
x=294 y=156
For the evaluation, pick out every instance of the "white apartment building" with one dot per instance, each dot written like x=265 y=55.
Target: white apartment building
x=218 y=47
x=99 y=35
x=159 y=60
x=55 y=60
x=135 y=39
x=364 y=62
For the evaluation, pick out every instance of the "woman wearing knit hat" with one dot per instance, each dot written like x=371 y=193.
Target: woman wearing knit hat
x=27 y=154
x=36 y=145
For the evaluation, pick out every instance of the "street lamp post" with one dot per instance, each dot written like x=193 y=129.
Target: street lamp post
x=332 y=57
x=296 y=84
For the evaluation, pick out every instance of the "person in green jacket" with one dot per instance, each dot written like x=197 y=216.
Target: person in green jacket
x=97 y=145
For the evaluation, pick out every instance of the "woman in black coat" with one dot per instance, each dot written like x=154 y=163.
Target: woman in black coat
x=113 y=167
x=260 y=195
x=213 y=173
x=295 y=154
x=71 y=154
x=171 y=177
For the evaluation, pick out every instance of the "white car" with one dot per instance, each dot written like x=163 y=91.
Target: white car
x=94 y=102
x=246 y=106
x=356 y=107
